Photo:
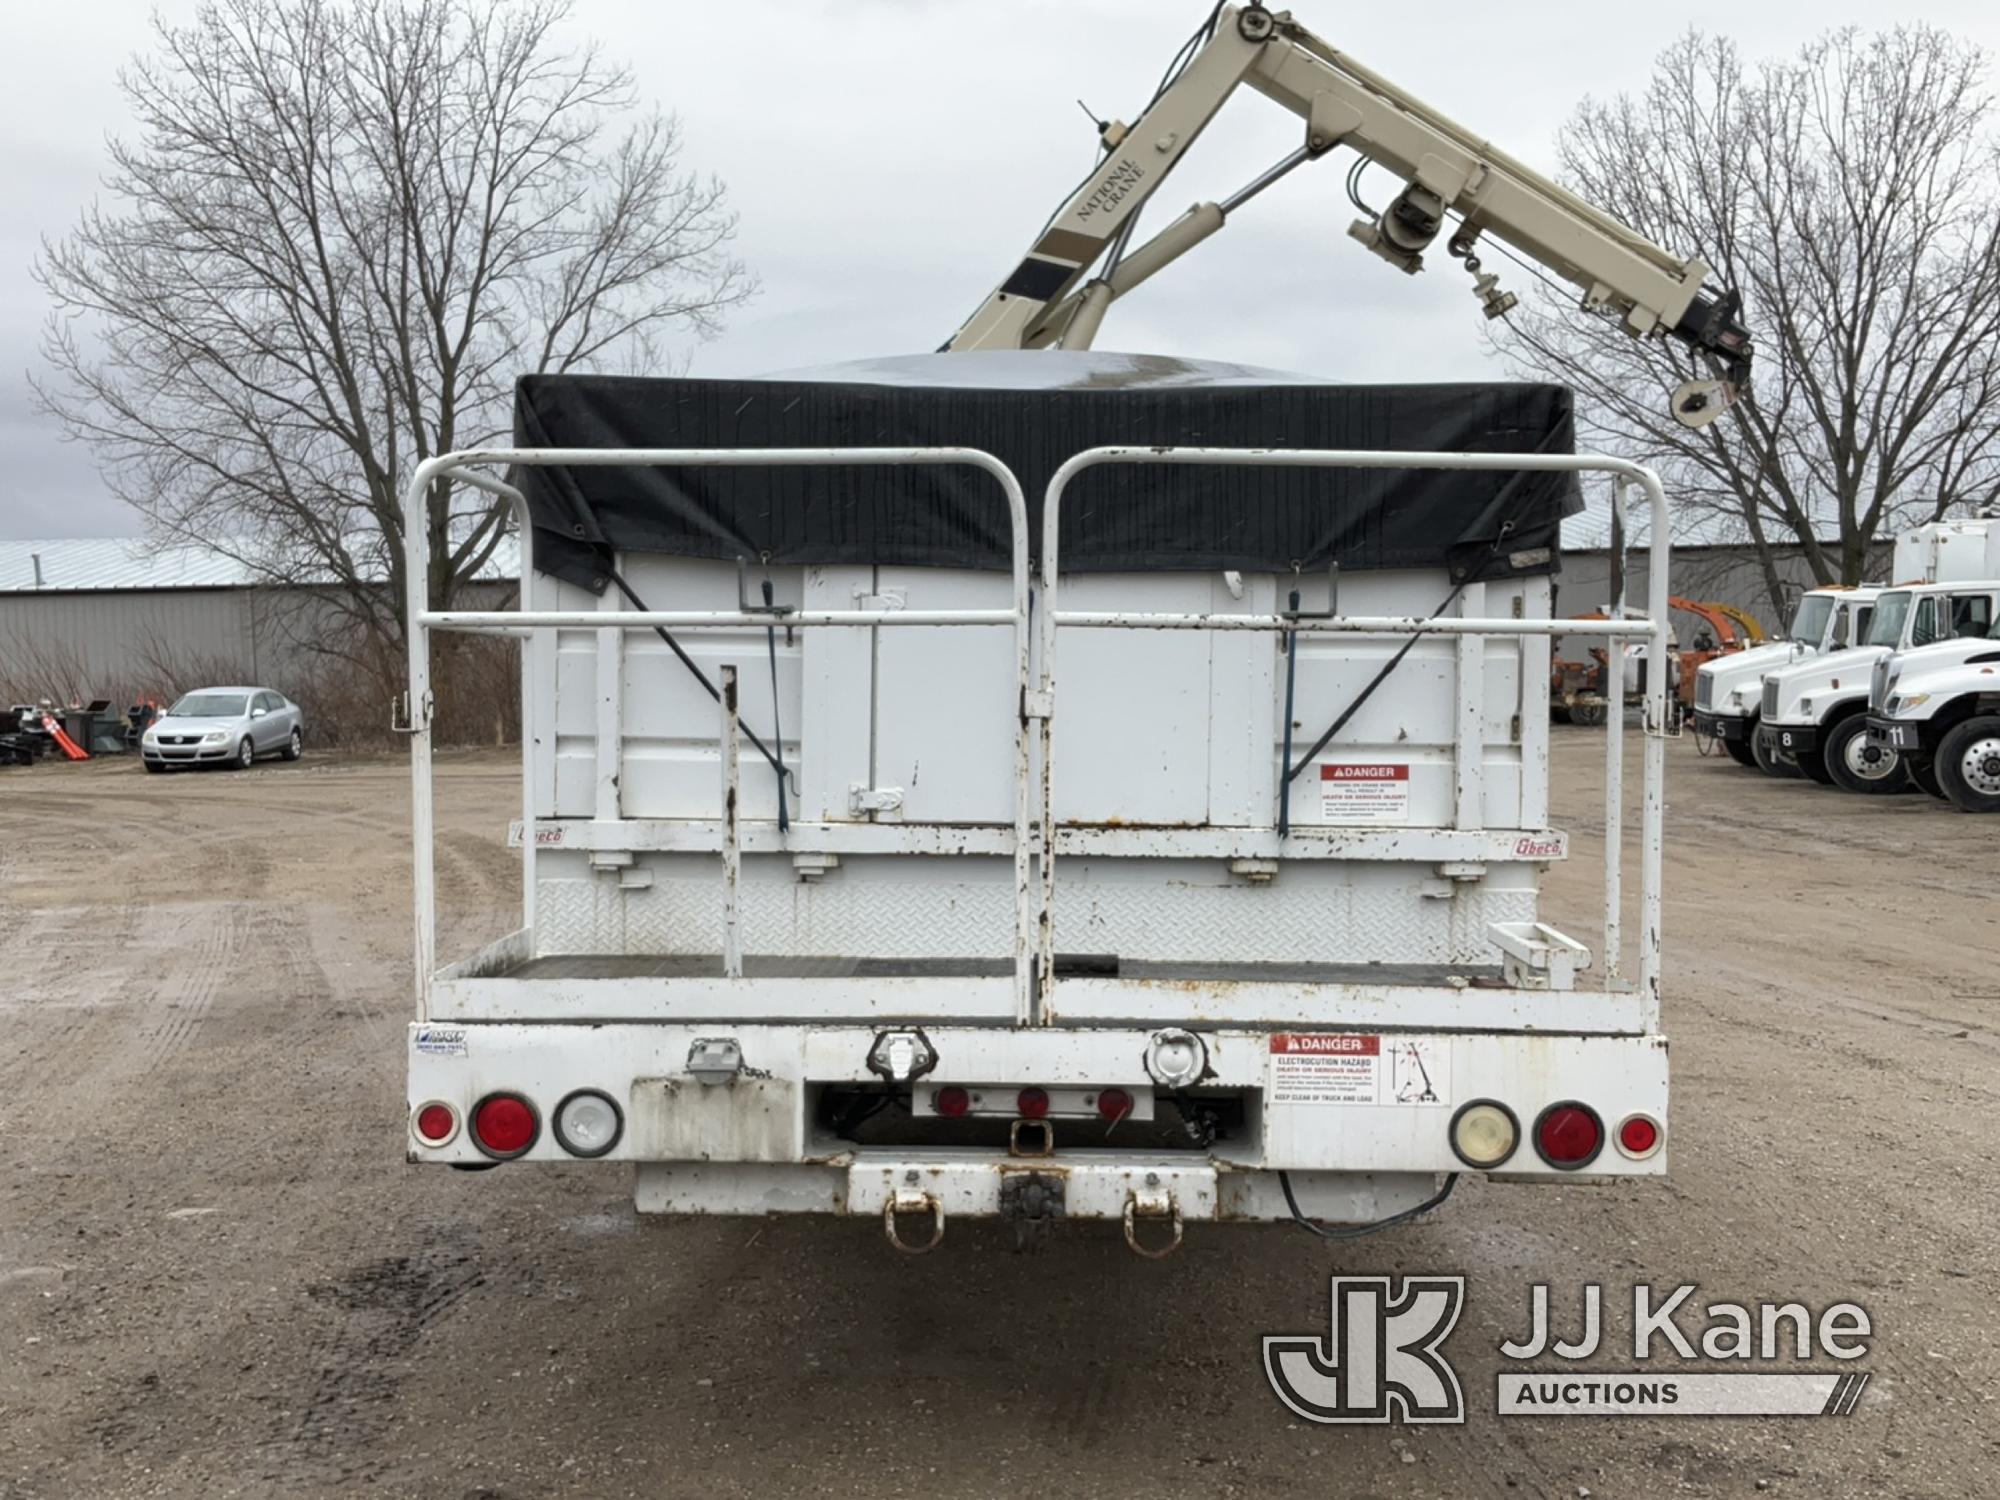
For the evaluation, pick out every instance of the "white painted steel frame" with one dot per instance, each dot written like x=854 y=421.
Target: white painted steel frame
x=1653 y=629
x=611 y=621
x=1034 y=948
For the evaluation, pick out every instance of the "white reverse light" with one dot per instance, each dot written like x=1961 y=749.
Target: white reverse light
x=588 y=1123
x=1484 y=1134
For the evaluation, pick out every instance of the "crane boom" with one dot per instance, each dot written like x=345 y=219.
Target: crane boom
x=1450 y=175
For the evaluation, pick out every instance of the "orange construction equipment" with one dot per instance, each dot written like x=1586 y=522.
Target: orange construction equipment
x=70 y=748
x=1729 y=629
x=1580 y=691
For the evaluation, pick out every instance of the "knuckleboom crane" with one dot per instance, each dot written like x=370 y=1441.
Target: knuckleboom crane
x=1451 y=178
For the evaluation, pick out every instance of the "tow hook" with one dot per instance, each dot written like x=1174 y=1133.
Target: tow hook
x=1152 y=1202
x=911 y=1201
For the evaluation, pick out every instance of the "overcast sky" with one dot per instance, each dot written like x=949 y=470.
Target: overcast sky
x=891 y=160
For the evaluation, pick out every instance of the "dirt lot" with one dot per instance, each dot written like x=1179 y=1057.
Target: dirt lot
x=217 y=1277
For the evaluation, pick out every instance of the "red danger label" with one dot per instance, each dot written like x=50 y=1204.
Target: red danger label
x=1365 y=792
x=1340 y=1044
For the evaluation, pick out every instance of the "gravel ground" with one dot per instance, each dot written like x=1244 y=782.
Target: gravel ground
x=217 y=1276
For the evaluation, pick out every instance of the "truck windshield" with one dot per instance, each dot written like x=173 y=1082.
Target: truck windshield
x=1886 y=629
x=1809 y=625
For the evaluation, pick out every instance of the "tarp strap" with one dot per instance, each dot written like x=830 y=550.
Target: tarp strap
x=777 y=764
x=1380 y=677
x=1465 y=579
x=777 y=723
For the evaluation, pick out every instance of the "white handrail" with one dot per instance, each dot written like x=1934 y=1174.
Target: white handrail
x=1653 y=629
x=461 y=466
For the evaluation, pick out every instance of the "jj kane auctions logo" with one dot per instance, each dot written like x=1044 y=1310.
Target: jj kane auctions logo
x=1383 y=1358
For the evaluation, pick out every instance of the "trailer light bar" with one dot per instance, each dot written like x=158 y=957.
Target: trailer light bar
x=1033 y=1103
x=504 y=1126
x=1484 y=1134
x=1639 y=1136
x=435 y=1123
x=1569 y=1135
x=588 y=1123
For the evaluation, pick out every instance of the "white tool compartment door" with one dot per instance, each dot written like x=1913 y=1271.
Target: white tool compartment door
x=945 y=700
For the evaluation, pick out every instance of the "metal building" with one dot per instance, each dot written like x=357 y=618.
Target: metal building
x=120 y=618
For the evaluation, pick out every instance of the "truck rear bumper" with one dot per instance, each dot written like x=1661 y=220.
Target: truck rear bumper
x=917 y=1195
x=1374 y=1108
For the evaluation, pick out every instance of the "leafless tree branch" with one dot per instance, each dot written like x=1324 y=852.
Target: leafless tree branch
x=1849 y=192
x=341 y=232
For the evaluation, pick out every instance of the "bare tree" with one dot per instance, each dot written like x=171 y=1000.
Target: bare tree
x=1849 y=193
x=343 y=229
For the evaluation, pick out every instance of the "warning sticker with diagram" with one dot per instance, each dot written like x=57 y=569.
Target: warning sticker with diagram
x=1341 y=1067
x=1376 y=793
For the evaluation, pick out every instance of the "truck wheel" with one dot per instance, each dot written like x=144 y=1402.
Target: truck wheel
x=1742 y=752
x=1813 y=766
x=1769 y=761
x=1968 y=764
x=1858 y=766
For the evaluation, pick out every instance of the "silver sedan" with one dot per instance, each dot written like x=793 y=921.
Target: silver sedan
x=225 y=726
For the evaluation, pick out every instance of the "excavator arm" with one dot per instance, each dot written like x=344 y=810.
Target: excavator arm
x=1452 y=180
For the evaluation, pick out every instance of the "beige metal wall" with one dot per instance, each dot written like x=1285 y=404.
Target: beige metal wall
x=113 y=644
x=121 y=644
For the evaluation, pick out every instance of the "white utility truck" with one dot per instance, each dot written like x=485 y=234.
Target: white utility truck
x=1814 y=714
x=1728 y=692
x=1937 y=707
x=1066 y=785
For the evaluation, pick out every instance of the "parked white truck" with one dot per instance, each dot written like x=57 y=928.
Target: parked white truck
x=839 y=897
x=1109 y=890
x=1814 y=714
x=1938 y=708
x=1729 y=691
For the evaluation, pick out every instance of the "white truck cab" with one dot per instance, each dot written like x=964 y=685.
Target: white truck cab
x=1813 y=715
x=1728 y=692
x=1937 y=707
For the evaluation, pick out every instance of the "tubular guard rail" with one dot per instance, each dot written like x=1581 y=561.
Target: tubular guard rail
x=1035 y=827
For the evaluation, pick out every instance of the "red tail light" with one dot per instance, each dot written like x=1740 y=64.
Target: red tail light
x=504 y=1125
x=1639 y=1136
x=952 y=1101
x=1568 y=1136
x=436 y=1124
x=1033 y=1104
x=1114 y=1104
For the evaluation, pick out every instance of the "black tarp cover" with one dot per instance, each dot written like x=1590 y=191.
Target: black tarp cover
x=1032 y=410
